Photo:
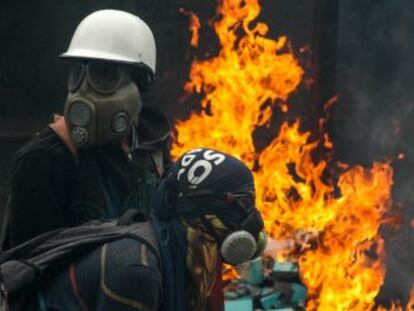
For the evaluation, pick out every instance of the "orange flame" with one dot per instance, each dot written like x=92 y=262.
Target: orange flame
x=410 y=304
x=241 y=87
x=194 y=26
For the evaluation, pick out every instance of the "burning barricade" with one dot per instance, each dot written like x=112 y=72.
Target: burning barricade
x=298 y=184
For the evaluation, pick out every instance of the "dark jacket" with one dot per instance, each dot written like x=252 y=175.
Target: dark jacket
x=51 y=188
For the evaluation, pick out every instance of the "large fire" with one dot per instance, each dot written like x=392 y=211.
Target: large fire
x=241 y=87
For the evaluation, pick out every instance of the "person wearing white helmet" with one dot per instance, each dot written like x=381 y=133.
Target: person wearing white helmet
x=112 y=56
x=105 y=155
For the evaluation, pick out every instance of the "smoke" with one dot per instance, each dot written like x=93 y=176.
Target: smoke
x=375 y=115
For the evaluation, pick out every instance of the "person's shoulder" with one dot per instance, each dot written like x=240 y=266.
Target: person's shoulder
x=46 y=145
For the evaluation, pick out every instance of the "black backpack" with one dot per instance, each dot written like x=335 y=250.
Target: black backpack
x=23 y=267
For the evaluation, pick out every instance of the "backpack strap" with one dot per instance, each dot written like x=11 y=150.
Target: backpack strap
x=130 y=216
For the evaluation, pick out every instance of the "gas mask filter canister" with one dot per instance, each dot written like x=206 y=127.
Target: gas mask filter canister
x=247 y=240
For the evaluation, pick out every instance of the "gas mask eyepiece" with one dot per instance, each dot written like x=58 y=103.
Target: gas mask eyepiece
x=103 y=77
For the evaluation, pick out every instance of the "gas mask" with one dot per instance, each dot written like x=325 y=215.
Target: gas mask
x=247 y=239
x=103 y=103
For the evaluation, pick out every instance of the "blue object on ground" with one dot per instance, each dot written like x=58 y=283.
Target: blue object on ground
x=286 y=266
x=300 y=294
x=269 y=301
x=251 y=271
x=241 y=304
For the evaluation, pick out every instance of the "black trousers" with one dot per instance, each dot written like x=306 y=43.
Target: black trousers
x=122 y=275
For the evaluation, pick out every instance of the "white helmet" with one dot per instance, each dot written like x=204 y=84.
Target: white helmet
x=114 y=36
